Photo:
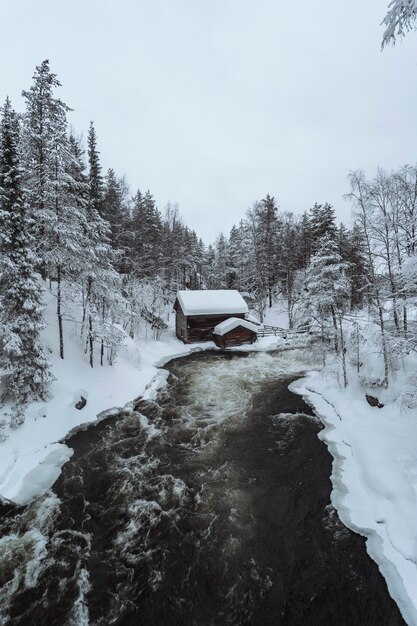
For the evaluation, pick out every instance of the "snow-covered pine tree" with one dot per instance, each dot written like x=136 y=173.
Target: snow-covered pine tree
x=103 y=303
x=322 y=222
x=95 y=178
x=148 y=235
x=328 y=291
x=26 y=367
x=305 y=236
x=290 y=261
x=269 y=227
x=358 y=270
x=52 y=192
x=113 y=209
x=262 y=228
x=221 y=262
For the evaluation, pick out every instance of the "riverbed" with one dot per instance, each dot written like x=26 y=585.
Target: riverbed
x=208 y=506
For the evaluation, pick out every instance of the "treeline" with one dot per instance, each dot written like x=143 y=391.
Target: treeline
x=118 y=259
x=97 y=249
x=325 y=274
x=268 y=254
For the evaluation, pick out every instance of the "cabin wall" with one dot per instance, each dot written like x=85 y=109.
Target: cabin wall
x=196 y=328
x=181 y=325
x=236 y=337
x=200 y=327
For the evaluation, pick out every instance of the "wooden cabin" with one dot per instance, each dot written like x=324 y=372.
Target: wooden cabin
x=234 y=332
x=199 y=312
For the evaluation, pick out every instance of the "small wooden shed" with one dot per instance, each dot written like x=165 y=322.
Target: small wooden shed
x=198 y=312
x=234 y=332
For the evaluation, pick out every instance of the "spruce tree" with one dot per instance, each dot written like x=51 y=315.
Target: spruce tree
x=95 y=179
x=322 y=222
x=23 y=360
x=52 y=192
x=328 y=289
x=147 y=243
x=101 y=284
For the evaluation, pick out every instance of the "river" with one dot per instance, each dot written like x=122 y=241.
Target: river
x=208 y=506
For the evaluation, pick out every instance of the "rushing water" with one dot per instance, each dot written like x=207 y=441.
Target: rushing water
x=209 y=506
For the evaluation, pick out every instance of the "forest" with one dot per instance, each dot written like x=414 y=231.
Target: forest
x=113 y=260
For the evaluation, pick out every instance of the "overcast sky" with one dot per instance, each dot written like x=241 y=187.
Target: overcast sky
x=215 y=103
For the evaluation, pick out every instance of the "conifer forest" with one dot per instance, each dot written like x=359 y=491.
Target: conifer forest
x=84 y=235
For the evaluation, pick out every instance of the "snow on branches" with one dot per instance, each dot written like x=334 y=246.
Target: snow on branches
x=401 y=17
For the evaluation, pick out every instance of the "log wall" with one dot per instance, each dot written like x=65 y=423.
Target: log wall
x=235 y=337
x=196 y=328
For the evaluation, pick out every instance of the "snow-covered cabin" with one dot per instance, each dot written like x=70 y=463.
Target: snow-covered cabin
x=198 y=312
x=233 y=332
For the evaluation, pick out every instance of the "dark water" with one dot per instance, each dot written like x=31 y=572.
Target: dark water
x=209 y=506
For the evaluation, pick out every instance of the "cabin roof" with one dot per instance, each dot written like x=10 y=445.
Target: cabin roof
x=233 y=322
x=212 y=302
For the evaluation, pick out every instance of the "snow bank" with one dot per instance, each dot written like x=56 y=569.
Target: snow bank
x=374 y=477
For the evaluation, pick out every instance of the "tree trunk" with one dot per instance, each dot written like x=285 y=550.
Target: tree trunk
x=59 y=312
x=336 y=342
x=90 y=338
x=343 y=352
x=103 y=310
x=384 y=344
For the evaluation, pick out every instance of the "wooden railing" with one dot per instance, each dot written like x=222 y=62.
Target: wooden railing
x=275 y=331
x=153 y=320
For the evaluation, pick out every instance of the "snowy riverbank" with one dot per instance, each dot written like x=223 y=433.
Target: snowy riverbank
x=31 y=456
x=374 y=476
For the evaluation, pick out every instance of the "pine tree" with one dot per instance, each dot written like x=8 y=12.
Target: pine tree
x=221 y=262
x=328 y=289
x=52 y=192
x=95 y=179
x=24 y=362
x=306 y=243
x=290 y=261
x=102 y=285
x=322 y=222
x=147 y=226
x=358 y=270
x=116 y=211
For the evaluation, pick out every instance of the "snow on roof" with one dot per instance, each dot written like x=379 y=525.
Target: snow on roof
x=233 y=322
x=253 y=319
x=212 y=302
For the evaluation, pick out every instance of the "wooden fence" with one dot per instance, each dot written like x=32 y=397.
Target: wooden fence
x=275 y=331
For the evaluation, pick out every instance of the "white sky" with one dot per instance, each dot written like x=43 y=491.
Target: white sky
x=215 y=103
